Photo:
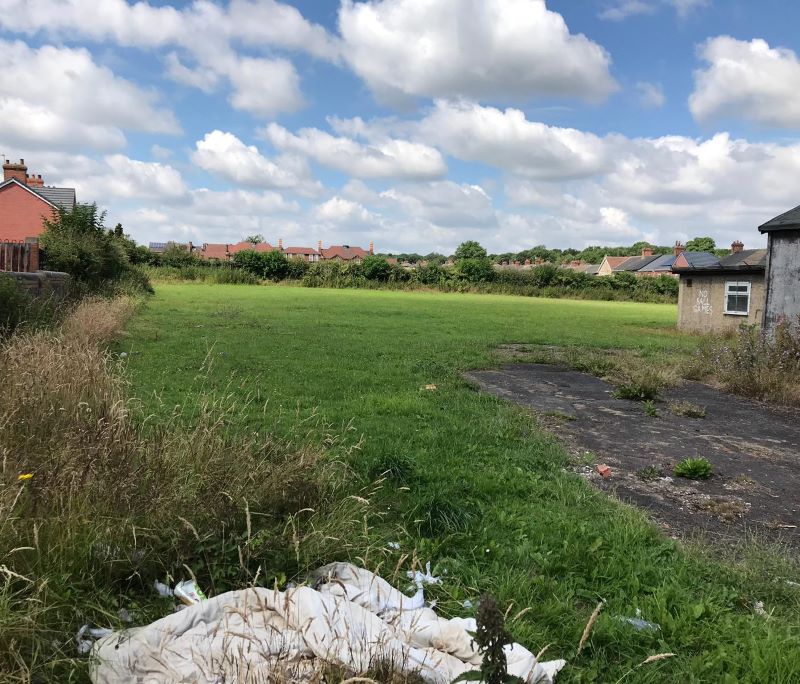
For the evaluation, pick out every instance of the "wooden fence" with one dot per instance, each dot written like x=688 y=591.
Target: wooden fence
x=21 y=257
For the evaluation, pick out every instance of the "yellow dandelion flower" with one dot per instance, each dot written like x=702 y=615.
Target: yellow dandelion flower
x=25 y=476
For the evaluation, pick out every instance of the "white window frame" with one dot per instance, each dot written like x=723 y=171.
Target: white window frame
x=737 y=283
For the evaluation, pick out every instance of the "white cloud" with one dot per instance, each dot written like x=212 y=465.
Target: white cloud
x=444 y=203
x=223 y=154
x=240 y=202
x=470 y=48
x=200 y=26
x=749 y=80
x=60 y=97
x=627 y=8
x=651 y=95
x=201 y=78
x=204 y=32
x=265 y=86
x=508 y=140
x=338 y=210
x=622 y=9
x=387 y=158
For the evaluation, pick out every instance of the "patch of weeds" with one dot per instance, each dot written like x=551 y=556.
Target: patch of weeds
x=650 y=473
x=644 y=386
x=693 y=469
x=726 y=510
x=650 y=408
x=593 y=365
x=687 y=409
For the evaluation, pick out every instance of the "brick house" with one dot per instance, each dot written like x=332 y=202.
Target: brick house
x=345 y=253
x=304 y=253
x=25 y=201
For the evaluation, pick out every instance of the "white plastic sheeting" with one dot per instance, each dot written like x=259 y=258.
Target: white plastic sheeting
x=353 y=619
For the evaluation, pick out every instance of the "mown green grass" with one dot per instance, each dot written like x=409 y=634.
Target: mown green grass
x=488 y=499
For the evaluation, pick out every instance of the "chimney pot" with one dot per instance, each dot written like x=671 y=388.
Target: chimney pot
x=678 y=249
x=647 y=251
x=372 y=248
x=737 y=247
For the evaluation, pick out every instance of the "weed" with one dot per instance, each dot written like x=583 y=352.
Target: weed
x=687 y=409
x=693 y=469
x=642 y=386
x=650 y=473
x=650 y=408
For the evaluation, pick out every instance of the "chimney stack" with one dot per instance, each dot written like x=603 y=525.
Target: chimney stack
x=539 y=261
x=647 y=251
x=34 y=181
x=319 y=246
x=737 y=247
x=18 y=171
x=280 y=244
x=372 y=248
x=679 y=248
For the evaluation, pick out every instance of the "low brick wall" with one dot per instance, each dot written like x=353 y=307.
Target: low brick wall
x=42 y=283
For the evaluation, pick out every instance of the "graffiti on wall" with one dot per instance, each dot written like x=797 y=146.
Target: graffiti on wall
x=702 y=304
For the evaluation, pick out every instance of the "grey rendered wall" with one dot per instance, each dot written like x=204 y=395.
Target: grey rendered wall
x=783 y=278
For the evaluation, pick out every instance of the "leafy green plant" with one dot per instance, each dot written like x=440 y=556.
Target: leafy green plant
x=491 y=636
x=645 y=387
x=376 y=268
x=693 y=469
x=650 y=408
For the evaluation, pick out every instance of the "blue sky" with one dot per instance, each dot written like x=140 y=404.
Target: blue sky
x=415 y=124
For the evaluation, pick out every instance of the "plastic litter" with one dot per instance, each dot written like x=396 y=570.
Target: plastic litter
x=419 y=578
x=162 y=589
x=300 y=633
x=393 y=545
x=188 y=592
x=124 y=615
x=84 y=644
x=758 y=608
x=467 y=603
x=639 y=624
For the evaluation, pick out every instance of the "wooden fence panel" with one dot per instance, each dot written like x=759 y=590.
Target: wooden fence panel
x=18 y=256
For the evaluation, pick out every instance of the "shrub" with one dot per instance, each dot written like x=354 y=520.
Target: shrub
x=477 y=270
x=232 y=276
x=270 y=265
x=376 y=268
x=76 y=242
x=693 y=469
x=470 y=250
x=177 y=256
x=297 y=268
x=432 y=274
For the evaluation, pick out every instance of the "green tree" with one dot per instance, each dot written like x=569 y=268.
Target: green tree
x=275 y=264
x=376 y=268
x=470 y=250
x=701 y=244
x=255 y=239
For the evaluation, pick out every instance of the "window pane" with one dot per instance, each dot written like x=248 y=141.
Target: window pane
x=737 y=303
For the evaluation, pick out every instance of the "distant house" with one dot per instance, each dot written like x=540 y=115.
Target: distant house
x=662 y=265
x=609 y=263
x=214 y=251
x=783 y=272
x=634 y=264
x=161 y=247
x=345 y=253
x=716 y=294
x=25 y=201
x=304 y=253
x=245 y=246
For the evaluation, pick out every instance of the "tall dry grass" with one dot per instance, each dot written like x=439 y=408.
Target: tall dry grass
x=754 y=363
x=97 y=499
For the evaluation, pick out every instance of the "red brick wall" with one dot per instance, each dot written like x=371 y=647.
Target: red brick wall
x=21 y=214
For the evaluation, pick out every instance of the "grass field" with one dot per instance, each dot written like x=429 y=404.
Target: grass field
x=474 y=484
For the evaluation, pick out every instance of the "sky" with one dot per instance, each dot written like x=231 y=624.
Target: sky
x=413 y=124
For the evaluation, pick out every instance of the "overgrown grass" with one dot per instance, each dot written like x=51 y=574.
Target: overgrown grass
x=473 y=484
x=98 y=499
x=753 y=363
